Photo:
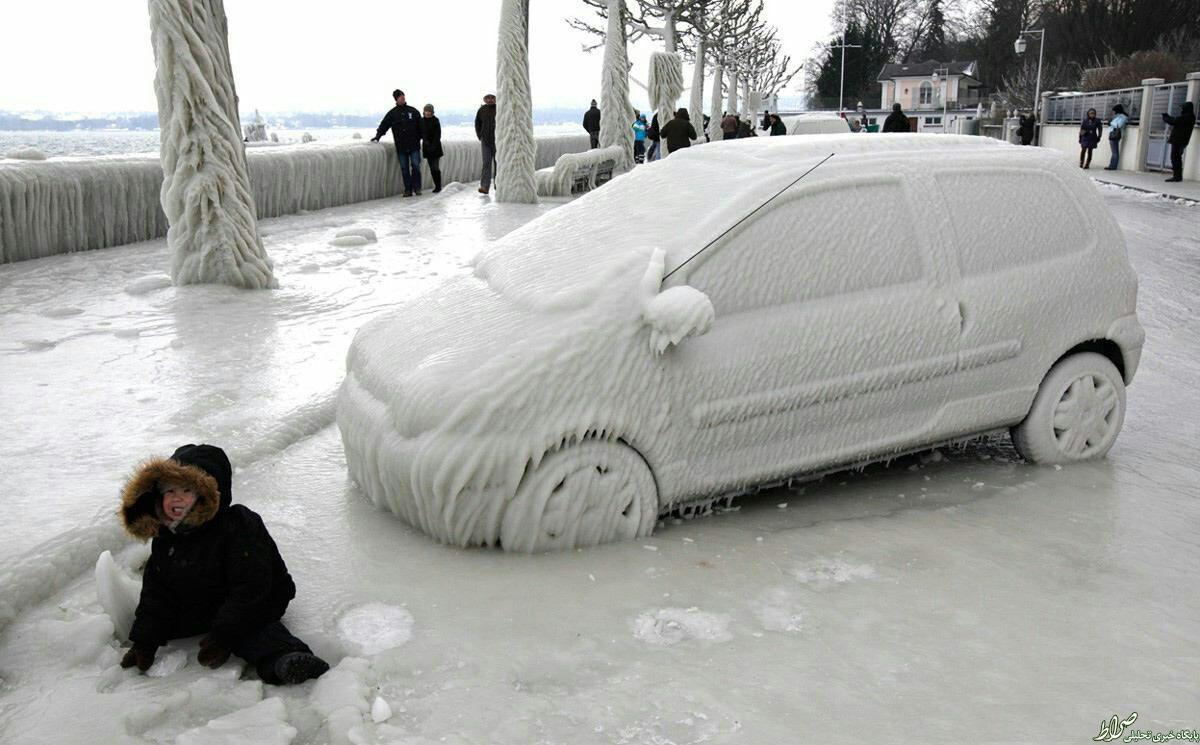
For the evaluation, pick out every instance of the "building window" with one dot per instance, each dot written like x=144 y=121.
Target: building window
x=933 y=120
x=926 y=92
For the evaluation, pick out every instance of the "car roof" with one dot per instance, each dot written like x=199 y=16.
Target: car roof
x=683 y=201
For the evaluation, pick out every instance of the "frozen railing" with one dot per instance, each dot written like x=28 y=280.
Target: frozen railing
x=584 y=169
x=77 y=204
x=1070 y=108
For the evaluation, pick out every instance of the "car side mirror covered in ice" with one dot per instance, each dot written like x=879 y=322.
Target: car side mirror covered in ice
x=675 y=314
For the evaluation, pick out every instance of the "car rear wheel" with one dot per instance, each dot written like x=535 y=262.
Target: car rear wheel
x=1076 y=414
x=585 y=494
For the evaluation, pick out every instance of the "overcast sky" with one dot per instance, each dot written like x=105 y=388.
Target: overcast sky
x=94 y=56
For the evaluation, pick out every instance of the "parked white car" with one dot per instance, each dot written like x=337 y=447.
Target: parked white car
x=815 y=124
x=912 y=290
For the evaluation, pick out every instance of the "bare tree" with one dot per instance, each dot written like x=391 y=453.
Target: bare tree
x=616 y=113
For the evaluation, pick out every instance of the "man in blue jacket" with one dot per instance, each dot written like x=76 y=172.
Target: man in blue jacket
x=405 y=123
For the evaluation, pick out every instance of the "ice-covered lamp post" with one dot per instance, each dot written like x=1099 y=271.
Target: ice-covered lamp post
x=213 y=233
x=942 y=74
x=516 y=150
x=1019 y=47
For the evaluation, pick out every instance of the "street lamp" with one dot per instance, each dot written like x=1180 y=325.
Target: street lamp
x=940 y=74
x=1019 y=48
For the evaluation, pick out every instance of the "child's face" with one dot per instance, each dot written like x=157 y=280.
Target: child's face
x=177 y=499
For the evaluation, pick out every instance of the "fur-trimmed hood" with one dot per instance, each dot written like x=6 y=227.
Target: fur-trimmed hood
x=204 y=468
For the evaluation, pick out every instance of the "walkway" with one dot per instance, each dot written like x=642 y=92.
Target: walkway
x=1151 y=182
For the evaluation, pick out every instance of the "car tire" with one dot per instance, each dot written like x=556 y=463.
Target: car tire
x=1077 y=413
x=584 y=494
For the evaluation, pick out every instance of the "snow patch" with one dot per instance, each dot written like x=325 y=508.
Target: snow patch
x=349 y=240
x=365 y=233
x=25 y=153
x=147 y=284
x=118 y=593
x=380 y=711
x=779 y=611
x=668 y=626
x=830 y=572
x=375 y=627
x=167 y=662
x=265 y=723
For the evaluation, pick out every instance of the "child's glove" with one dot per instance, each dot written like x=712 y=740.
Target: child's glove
x=141 y=656
x=214 y=651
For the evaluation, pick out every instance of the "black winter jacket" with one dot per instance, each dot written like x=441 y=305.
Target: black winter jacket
x=431 y=137
x=1182 y=125
x=219 y=571
x=591 y=120
x=405 y=123
x=485 y=125
x=678 y=132
x=896 y=122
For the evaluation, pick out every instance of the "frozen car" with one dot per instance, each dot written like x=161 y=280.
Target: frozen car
x=910 y=291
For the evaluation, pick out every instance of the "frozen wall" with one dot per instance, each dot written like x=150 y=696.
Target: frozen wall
x=64 y=205
x=1065 y=137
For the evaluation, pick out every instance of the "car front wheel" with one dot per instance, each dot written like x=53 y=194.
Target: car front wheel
x=1076 y=414
x=585 y=494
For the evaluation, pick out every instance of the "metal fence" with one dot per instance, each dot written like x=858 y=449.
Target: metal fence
x=1070 y=108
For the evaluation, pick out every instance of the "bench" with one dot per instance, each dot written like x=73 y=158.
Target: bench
x=574 y=173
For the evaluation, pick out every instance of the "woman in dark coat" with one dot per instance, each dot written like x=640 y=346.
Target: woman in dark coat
x=431 y=145
x=777 y=126
x=1089 y=137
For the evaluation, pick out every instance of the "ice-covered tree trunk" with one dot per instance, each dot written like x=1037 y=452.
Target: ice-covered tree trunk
x=696 y=101
x=731 y=103
x=213 y=233
x=516 y=151
x=714 y=103
x=753 y=104
x=616 y=112
x=747 y=110
x=666 y=83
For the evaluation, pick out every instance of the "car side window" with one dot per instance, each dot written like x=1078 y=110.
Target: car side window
x=1025 y=217
x=815 y=244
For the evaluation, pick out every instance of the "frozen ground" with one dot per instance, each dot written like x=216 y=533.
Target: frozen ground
x=960 y=596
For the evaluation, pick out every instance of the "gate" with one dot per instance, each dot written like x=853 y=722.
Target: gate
x=1166 y=100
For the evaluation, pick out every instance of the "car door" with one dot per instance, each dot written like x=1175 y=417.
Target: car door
x=832 y=341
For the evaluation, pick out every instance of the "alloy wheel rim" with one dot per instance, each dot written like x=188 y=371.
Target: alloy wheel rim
x=1085 y=416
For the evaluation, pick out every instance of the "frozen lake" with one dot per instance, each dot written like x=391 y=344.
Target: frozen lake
x=129 y=142
x=957 y=596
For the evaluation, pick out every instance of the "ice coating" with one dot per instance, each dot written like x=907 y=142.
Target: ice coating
x=25 y=153
x=449 y=401
x=665 y=84
x=206 y=192
x=75 y=204
x=557 y=181
x=714 y=104
x=616 y=112
x=516 y=152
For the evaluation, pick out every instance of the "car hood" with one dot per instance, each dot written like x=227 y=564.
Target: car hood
x=464 y=345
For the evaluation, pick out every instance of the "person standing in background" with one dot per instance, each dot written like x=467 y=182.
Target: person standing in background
x=1116 y=128
x=431 y=144
x=485 y=131
x=405 y=123
x=1181 y=135
x=639 y=137
x=591 y=122
x=1089 y=138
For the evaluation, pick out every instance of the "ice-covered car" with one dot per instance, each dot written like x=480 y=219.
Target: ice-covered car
x=815 y=124
x=910 y=291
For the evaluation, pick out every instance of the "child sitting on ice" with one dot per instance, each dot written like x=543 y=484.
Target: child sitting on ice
x=213 y=570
